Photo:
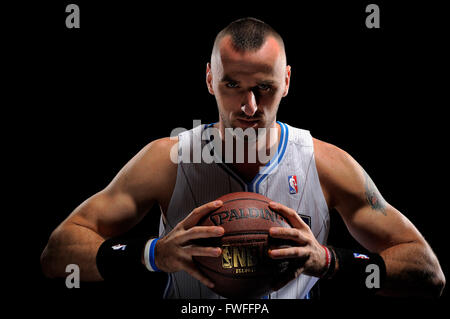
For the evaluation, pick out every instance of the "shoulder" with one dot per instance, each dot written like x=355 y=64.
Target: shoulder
x=328 y=154
x=161 y=145
x=150 y=172
x=155 y=154
x=339 y=173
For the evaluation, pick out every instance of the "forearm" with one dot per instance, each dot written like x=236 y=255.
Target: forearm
x=72 y=244
x=412 y=270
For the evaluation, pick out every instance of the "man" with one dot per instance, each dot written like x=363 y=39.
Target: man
x=305 y=177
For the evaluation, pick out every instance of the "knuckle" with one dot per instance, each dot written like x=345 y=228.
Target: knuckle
x=195 y=211
x=178 y=237
x=294 y=233
x=299 y=236
x=198 y=210
x=190 y=231
x=179 y=227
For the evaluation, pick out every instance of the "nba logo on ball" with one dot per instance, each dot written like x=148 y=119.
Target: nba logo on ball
x=293 y=184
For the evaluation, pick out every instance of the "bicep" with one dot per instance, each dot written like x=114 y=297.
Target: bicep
x=130 y=195
x=370 y=219
x=107 y=214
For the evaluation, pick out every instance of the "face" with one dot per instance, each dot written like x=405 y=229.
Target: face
x=248 y=86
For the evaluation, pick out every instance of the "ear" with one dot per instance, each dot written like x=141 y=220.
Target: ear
x=209 y=78
x=287 y=80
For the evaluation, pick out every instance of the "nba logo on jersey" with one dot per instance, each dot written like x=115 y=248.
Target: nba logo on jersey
x=293 y=184
x=119 y=247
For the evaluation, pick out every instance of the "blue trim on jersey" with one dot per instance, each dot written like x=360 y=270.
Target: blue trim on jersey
x=253 y=186
x=284 y=136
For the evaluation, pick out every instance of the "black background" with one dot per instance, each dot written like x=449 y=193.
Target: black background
x=84 y=101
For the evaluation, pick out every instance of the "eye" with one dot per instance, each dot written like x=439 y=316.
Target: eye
x=232 y=85
x=264 y=87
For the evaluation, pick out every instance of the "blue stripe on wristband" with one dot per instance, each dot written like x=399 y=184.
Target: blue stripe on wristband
x=152 y=254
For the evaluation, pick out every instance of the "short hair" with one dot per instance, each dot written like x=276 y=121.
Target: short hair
x=248 y=34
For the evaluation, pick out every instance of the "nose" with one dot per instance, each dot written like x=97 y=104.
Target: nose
x=250 y=105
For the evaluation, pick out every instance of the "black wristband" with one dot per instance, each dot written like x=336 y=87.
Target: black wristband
x=362 y=273
x=120 y=259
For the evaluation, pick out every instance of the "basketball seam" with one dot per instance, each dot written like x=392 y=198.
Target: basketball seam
x=257 y=232
x=246 y=198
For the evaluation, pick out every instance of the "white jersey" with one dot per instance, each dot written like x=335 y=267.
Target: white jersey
x=289 y=178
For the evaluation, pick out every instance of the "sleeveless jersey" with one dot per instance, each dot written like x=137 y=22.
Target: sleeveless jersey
x=290 y=178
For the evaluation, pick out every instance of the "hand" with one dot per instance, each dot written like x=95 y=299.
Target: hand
x=308 y=256
x=175 y=250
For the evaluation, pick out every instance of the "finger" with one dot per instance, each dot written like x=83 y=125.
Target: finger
x=194 y=272
x=291 y=234
x=195 y=250
x=202 y=232
x=290 y=252
x=290 y=214
x=194 y=217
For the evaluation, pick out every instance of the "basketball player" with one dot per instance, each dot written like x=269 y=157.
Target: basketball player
x=306 y=178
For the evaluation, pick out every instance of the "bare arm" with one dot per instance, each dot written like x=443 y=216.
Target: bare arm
x=147 y=178
x=412 y=267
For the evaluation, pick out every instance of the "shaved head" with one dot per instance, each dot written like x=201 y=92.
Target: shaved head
x=247 y=35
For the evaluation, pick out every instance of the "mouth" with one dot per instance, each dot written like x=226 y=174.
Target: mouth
x=243 y=122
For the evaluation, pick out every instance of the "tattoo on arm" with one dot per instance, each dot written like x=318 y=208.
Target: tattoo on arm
x=373 y=196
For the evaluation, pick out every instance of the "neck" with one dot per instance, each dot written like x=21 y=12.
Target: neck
x=253 y=147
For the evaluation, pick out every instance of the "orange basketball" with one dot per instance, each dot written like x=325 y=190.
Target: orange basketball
x=244 y=270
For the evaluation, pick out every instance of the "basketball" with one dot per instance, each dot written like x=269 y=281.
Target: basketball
x=244 y=270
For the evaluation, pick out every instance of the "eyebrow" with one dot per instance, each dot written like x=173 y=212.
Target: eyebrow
x=267 y=82
x=227 y=78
